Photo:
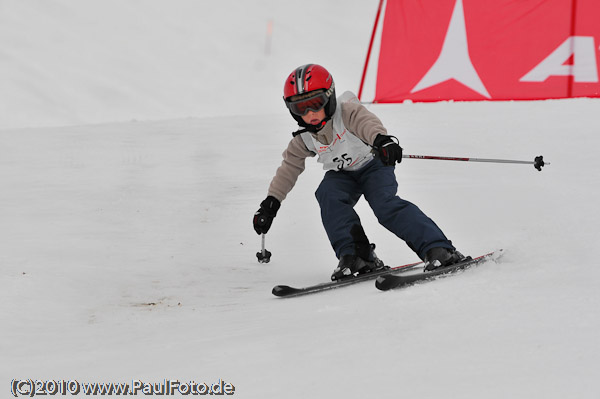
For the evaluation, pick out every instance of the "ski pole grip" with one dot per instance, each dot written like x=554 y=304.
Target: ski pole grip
x=262 y=220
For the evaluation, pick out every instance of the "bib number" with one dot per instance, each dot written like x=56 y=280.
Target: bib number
x=343 y=161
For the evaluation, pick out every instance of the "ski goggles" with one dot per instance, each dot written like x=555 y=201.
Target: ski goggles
x=315 y=102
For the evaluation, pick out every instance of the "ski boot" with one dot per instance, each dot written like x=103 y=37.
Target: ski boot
x=440 y=257
x=354 y=265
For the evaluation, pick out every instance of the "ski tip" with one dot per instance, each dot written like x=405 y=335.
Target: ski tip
x=282 y=290
x=497 y=254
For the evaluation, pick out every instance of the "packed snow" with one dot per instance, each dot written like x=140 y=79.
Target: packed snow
x=127 y=250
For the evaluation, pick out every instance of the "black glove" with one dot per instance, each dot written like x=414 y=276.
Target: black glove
x=264 y=216
x=389 y=151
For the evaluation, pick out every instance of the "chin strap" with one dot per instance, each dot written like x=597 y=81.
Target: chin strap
x=297 y=132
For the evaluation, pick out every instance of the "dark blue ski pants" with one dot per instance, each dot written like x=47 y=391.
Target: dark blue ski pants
x=339 y=192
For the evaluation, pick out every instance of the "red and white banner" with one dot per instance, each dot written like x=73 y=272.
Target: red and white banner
x=435 y=50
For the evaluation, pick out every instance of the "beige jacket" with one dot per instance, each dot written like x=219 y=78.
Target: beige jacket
x=358 y=120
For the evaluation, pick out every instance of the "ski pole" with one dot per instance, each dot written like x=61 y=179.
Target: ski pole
x=263 y=256
x=538 y=162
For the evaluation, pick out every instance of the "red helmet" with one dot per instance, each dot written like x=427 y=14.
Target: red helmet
x=307 y=78
x=309 y=87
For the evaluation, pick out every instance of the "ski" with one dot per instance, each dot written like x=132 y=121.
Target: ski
x=389 y=281
x=287 y=291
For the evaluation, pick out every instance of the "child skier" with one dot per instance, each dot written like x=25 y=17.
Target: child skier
x=359 y=156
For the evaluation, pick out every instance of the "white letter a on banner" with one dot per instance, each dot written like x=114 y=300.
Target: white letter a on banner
x=584 y=68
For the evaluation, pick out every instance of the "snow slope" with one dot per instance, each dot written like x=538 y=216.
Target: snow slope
x=127 y=253
x=127 y=250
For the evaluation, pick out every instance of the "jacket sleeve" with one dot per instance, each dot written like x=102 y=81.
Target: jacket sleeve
x=361 y=122
x=291 y=167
